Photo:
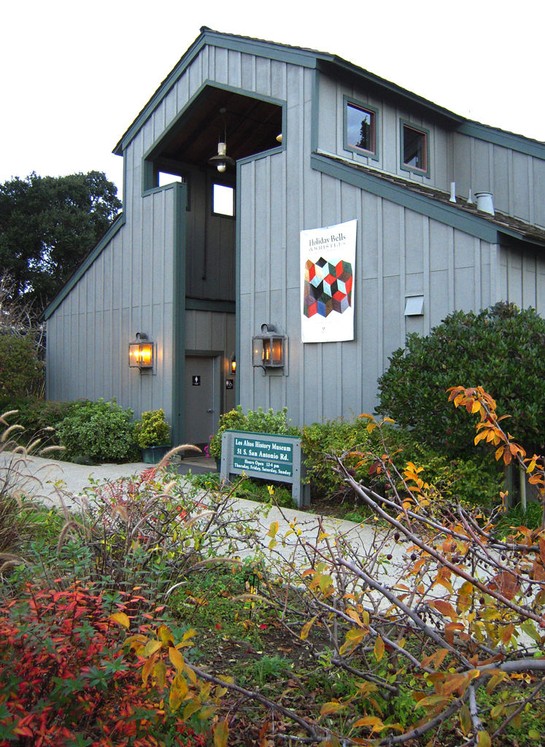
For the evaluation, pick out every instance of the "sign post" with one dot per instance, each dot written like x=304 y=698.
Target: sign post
x=265 y=456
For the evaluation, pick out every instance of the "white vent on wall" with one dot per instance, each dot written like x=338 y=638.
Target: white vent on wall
x=414 y=306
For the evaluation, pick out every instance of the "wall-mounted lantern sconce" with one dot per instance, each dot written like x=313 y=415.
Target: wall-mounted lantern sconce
x=141 y=352
x=233 y=365
x=268 y=348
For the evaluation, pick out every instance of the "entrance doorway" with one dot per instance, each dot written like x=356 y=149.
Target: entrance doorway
x=202 y=389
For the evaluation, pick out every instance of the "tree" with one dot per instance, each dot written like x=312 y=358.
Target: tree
x=21 y=347
x=500 y=349
x=48 y=225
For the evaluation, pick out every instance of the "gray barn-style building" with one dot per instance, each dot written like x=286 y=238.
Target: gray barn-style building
x=206 y=262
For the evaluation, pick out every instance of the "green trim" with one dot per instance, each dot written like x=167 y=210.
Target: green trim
x=238 y=265
x=178 y=338
x=314 y=112
x=444 y=213
x=116 y=226
x=510 y=140
x=202 y=304
x=301 y=57
x=149 y=177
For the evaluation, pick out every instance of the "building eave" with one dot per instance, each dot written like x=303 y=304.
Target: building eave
x=428 y=201
x=331 y=65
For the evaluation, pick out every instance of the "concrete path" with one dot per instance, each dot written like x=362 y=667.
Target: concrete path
x=60 y=483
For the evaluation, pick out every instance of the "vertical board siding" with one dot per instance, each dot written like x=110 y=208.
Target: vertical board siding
x=128 y=289
x=130 y=286
x=516 y=180
x=399 y=253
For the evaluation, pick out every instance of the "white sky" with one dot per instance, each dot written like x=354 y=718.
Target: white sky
x=74 y=73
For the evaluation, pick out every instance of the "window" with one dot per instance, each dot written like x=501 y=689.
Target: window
x=360 y=128
x=415 y=148
x=223 y=200
x=165 y=177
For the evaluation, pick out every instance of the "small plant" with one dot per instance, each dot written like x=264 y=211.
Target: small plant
x=152 y=429
x=270 y=668
x=264 y=492
x=150 y=529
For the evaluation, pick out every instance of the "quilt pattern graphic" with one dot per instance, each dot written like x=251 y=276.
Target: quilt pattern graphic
x=328 y=287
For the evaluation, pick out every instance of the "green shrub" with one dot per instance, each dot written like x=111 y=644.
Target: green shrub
x=36 y=415
x=516 y=517
x=98 y=431
x=332 y=438
x=500 y=349
x=473 y=479
x=152 y=429
x=264 y=491
x=254 y=421
x=21 y=371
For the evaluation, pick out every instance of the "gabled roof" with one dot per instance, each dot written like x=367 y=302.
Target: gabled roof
x=331 y=64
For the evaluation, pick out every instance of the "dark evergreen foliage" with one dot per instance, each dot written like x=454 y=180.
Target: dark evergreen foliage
x=501 y=349
x=48 y=225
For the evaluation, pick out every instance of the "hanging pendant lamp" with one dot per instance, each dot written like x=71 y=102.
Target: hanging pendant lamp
x=222 y=161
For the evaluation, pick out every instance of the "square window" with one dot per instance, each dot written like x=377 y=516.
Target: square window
x=223 y=200
x=415 y=148
x=360 y=128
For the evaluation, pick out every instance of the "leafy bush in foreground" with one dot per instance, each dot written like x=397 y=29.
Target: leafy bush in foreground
x=424 y=626
x=64 y=679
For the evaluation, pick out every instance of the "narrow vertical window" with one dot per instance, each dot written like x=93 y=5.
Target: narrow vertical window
x=223 y=200
x=360 y=131
x=415 y=148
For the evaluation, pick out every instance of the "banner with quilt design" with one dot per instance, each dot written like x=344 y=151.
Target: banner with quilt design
x=328 y=258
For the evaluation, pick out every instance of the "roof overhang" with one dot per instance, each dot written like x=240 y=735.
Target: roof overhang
x=427 y=201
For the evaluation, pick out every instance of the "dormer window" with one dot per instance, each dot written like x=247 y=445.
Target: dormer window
x=414 y=147
x=360 y=128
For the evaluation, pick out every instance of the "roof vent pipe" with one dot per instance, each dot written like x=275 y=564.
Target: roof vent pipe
x=485 y=202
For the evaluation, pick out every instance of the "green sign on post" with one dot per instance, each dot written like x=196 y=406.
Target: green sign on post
x=266 y=456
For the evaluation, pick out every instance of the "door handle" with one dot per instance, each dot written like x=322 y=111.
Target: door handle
x=210 y=411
